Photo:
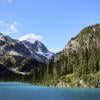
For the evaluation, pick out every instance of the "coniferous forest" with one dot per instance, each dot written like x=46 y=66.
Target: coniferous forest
x=77 y=65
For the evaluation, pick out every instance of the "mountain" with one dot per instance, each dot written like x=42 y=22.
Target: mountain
x=36 y=50
x=9 y=46
x=77 y=65
x=18 y=59
x=79 y=61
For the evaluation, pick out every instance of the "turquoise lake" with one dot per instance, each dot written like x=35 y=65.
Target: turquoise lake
x=24 y=91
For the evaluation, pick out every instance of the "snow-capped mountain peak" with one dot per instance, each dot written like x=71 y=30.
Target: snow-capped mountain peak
x=35 y=49
x=31 y=41
x=38 y=48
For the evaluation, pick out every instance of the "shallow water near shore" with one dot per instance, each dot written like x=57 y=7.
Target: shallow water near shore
x=25 y=91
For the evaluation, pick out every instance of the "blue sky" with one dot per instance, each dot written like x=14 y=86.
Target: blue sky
x=53 y=22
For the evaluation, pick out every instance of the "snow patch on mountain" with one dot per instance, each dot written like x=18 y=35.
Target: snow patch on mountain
x=15 y=70
x=14 y=53
x=37 y=48
x=2 y=38
x=28 y=48
x=34 y=49
x=47 y=55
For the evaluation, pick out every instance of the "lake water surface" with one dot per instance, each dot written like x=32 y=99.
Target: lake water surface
x=23 y=91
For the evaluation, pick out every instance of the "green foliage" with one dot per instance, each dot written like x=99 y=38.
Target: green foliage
x=80 y=61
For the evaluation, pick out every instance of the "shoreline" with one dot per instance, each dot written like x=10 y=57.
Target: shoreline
x=50 y=86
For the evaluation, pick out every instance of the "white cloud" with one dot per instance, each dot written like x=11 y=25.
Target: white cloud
x=10 y=1
x=7 y=28
x=1 y=21
x=31 y=37
x=13 y=27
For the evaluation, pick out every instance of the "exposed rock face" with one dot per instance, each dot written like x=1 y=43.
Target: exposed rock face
x=20 y=58
x=81 y=57
x=36 y=50
x=86 y=39
x=78 y=64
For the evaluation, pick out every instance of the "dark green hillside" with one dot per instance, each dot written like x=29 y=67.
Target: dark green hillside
x=80 y=59
x=18 y=68
x=77 y=65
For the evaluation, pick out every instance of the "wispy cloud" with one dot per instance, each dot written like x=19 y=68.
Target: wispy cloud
x=13 y=27
x=6 y=1
x=8 y=28
x=31 y=37
x=10 y=1
x=1 y=21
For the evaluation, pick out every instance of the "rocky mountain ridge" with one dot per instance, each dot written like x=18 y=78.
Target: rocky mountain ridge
x=77 y=65
x=80 y=59
x=36 y=50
